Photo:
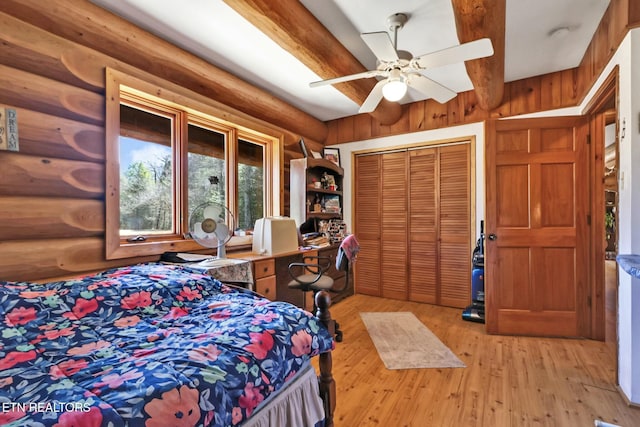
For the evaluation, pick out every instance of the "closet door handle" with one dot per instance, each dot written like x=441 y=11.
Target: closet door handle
x=492 y=236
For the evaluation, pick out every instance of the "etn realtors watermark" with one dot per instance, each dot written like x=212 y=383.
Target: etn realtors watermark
x=53 y=406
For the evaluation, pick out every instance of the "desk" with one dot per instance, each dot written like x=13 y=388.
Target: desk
x=268 y=274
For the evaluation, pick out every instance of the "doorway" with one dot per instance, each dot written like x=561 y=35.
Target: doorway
x=610 y=181
x=603 y=117
x=523 y=259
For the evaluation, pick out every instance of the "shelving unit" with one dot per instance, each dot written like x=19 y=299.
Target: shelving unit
x=305 y=195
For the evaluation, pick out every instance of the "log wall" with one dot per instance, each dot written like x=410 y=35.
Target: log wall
x=52 y=62
x=52 y=191
x=541 y=93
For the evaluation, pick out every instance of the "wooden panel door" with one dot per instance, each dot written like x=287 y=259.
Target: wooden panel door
x=423 y=226
x=393 y=249
x=536 y=224
x=367 y=223
x=454 y=251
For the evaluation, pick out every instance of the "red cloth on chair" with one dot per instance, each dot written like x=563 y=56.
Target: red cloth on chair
x=350 y=248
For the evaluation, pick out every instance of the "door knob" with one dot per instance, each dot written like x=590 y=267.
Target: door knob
x=492 y=236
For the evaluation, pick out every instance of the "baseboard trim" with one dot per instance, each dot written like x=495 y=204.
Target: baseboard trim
x=626 y=399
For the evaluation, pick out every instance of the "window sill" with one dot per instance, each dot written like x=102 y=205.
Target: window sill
x=150 y=248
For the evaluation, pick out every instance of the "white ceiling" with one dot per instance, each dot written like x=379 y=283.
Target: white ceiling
x=213 y=31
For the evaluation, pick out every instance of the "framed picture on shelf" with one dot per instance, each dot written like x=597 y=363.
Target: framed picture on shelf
x=332 y=204
x=332 y=154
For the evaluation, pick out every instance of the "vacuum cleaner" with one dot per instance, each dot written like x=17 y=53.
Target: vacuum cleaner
x=475 y=311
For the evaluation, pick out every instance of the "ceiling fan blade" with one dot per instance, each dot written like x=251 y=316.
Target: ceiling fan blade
x=363 y=75
x=381 y=46
x=467 y=51
x=373 y=99
x=430 y=88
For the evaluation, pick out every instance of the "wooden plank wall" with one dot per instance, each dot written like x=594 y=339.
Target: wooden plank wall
x=541 y=93
x=52 y=191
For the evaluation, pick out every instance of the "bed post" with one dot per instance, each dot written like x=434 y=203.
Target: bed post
x=325 y=380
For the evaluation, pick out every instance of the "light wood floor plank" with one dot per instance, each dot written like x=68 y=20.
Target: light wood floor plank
x=508 y=382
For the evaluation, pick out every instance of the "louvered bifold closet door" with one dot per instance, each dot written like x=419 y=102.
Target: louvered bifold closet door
x=423 y=235
x=393 y=250
x=454 y=225
x=413 y=219
x=367 y=222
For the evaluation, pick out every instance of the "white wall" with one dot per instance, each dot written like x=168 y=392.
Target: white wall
x=627 y=59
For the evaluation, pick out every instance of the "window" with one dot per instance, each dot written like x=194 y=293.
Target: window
x=145 y=151
x=250 y=183
x=167 y=155
x=206 y=165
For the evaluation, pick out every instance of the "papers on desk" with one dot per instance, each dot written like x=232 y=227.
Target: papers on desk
x=193 y=257
x=219 y=262
x=200 y=260
x=316 y=240
x=180 y=257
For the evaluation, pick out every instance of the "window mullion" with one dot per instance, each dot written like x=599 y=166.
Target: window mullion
x=181 y=174
x=231 y=160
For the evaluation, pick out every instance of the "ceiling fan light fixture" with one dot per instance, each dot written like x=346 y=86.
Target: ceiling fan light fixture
x=400 y=69
x=395 y=88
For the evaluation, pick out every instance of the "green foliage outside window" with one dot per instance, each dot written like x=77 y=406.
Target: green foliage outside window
x=146 y=192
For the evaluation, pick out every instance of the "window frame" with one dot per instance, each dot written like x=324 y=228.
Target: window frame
x=191 y=108
x=176 y=146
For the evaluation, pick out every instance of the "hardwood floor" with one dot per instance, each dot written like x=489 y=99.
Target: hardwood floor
x=508 y=381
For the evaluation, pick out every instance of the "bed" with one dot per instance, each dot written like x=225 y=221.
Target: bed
x=158 y=345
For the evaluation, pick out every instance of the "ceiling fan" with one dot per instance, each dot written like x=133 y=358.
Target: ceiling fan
x=400 y=69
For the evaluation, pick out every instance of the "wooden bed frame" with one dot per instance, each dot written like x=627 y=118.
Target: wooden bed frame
x=325 y=379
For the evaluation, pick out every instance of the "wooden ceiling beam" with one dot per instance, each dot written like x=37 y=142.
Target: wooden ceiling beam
x=82 y=22
x=295 y=29
x=476 y=19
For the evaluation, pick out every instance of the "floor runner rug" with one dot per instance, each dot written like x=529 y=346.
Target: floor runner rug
x=403 y=342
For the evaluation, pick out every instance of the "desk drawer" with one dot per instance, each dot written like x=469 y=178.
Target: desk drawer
x=264 y=268
x=266 y=286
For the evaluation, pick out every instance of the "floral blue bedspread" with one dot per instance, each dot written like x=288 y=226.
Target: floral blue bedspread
x=147 y=345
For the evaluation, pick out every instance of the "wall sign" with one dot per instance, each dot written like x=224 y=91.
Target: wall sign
x=8 y=129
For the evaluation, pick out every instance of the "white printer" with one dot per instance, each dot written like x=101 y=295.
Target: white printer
x=275 y=235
